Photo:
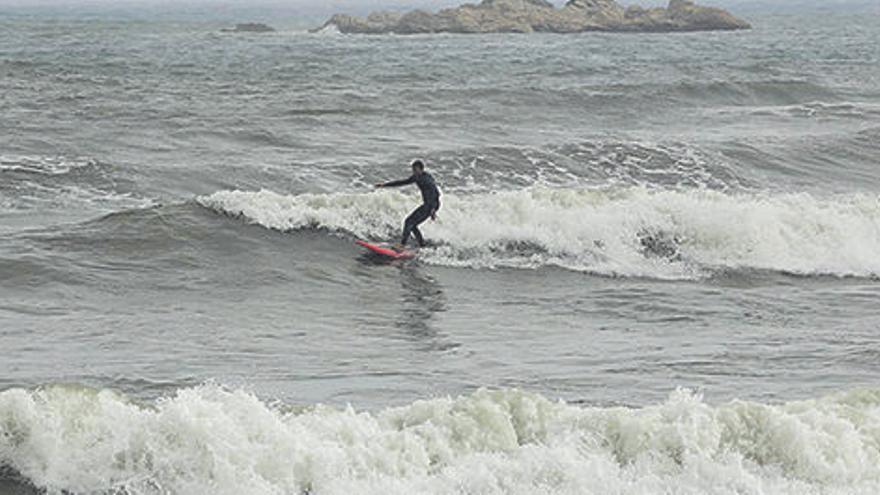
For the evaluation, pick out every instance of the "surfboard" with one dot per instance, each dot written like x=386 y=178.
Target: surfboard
x=386 y=250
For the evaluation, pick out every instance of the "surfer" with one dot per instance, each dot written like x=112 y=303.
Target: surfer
x=430 y=201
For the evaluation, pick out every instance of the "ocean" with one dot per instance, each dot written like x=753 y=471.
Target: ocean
x=655 y=270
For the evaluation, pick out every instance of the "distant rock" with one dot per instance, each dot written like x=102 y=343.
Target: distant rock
x=249 y=27
x=526 y=16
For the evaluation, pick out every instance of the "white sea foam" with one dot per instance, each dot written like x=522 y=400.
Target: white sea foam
x=624 y=231
x=210 y=440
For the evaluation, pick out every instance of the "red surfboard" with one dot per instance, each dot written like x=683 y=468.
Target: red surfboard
x=386 y=250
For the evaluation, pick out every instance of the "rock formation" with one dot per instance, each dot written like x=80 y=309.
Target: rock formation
x=526 y=16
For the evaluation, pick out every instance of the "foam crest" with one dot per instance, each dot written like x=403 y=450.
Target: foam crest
x=622 y=231
x=211 y=440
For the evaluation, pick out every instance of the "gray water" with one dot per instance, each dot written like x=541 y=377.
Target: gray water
x=652 y=222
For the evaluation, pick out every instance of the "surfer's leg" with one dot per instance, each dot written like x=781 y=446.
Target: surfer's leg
x=408 y=226
x=418 y=235
x=411 y=225
x=427 y=212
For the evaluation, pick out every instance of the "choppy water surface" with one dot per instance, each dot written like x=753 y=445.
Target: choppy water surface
x=655 y=270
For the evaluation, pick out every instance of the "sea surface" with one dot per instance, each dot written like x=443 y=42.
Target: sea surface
x=656 y=269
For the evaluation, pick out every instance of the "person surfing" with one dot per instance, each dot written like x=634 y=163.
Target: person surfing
x=429 y=207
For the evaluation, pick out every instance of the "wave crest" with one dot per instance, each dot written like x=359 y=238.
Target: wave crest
x=619 y=231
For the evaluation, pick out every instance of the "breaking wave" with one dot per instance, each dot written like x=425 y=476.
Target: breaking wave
x=212 y=440
x=617 y=231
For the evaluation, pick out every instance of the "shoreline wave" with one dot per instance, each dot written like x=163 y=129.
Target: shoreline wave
x=210 y=439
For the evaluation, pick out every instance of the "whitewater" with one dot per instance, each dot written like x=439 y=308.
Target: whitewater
x=212 y=440
x=614 y=232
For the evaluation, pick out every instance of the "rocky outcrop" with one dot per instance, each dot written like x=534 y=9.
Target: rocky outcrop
x=526 y=16
x=249 y=27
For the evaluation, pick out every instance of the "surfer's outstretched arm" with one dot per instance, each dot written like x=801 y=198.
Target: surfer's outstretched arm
x=397 y=183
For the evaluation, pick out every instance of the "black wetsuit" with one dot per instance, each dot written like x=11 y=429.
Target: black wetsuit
x=430 y=205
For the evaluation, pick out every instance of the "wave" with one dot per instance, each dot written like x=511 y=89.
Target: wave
x=45 y=165
x=61 y=189
x=631 y=231
x=596 y=161
x=213 y=440
x=756 y=92
x=861 y=111
x=673 y=94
